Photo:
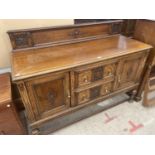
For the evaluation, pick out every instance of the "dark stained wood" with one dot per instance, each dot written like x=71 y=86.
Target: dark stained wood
x=57 y=79
x=95 y=92
x=128 y=27
x=17 y=98
x=81 y=21
x=97 y=73
x=21 y=39
x=10 y=123
x=68 y=34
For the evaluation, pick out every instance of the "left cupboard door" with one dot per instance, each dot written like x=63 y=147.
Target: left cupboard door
x=49 y=94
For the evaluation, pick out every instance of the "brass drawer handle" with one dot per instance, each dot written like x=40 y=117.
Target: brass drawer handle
x=106 y=90
x=85 y=79
x=8 y=105
x=68 y=94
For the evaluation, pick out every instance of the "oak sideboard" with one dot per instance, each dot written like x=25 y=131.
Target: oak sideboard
x=59 y=70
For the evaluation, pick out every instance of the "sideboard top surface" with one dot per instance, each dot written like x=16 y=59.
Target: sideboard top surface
x=32 y=62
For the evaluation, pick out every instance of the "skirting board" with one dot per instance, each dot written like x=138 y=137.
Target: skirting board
x=5 y=70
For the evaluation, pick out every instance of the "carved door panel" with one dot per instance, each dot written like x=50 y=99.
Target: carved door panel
x=130 y=71
x=49 y=94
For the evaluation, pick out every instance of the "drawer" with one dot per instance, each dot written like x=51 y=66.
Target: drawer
x=106 y=89
x=93 y=74
x=93 y=93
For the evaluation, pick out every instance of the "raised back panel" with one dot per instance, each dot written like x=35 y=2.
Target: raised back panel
x=28 y=38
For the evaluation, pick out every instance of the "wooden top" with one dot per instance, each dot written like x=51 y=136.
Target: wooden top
x=32 y=62
x=5 y=88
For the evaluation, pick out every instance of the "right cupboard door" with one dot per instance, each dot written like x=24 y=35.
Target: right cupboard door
x=130 y=70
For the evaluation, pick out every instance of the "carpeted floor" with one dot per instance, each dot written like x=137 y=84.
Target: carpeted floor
x=126 y=118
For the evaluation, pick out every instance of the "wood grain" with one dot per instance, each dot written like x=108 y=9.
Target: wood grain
x=28 y=38
x=10 y=123
x=59 y=78
x=45 y=60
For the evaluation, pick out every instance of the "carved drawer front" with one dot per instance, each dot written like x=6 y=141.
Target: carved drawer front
x=83 y=96
x=109 y=70
x=84 y=78
x=97 y=74
x=94 y=93
x=49 y=94
x=106 y=88
x=94 y=74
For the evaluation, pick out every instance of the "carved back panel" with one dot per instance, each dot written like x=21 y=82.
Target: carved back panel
x=29 y=38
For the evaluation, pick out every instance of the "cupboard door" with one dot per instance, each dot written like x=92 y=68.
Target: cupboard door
x=49 y=94
x=131 y=69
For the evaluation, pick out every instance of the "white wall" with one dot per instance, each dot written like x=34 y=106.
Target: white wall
x=11 y=24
